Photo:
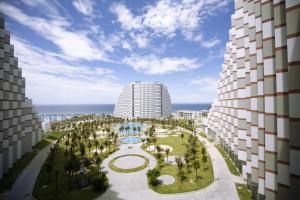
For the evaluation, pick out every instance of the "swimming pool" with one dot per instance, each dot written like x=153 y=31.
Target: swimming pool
x=121 y=127
x=131 y=140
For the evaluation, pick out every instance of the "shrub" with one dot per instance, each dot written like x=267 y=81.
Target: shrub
x=100 y=183
x=152 y=175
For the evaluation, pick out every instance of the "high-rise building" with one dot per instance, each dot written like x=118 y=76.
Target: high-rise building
x=256 y=117
x=144 y=100
x=20 y=127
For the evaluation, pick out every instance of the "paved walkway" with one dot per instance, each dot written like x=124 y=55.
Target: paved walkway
x=133 y=186
x=24 y=185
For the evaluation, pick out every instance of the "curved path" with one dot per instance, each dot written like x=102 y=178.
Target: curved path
x=133 y=186
x=23 y=186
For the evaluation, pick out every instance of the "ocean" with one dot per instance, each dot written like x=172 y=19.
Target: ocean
x=103 y=108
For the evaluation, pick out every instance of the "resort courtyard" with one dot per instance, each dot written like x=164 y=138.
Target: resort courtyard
x=110 y=158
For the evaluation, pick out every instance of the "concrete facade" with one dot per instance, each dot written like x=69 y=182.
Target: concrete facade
x=256 y=117
x=143 y=100
x=20 y=127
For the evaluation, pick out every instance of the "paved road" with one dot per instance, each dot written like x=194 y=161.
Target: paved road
x=133 y=186
x=24 y=185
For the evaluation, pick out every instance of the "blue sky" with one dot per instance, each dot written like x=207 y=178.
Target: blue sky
x=85 y=51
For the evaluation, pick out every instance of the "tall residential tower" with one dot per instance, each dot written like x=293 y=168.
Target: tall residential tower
x=20 y=127
x=256 y=117
x=144 y=100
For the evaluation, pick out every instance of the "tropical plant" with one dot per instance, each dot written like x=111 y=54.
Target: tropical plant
x=196 y=166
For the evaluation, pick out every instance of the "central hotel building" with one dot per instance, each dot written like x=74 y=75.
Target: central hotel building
x=256 y=117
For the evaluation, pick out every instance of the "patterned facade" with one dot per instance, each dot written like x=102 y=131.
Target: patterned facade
x=256 y=117
x=144 y=100
x=20 y=127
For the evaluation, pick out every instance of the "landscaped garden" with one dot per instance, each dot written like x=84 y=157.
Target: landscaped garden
x=182 y=157
x=72 y=169
x=136 y=165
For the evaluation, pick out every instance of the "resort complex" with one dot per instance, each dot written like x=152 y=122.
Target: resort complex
x=20 y=127
x=256 y=116
x=136 y=144
x=144 y=100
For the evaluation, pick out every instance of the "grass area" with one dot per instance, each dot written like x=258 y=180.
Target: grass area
x=42 y=144
x=243 y=191
x=10 y=177
x=228 y=161
x=121 y=170
x=187 y=181
x=53 y=135
x=202 y=134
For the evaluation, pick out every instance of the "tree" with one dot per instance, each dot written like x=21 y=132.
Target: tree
x=204 y=159
x=167 y=150
x=134 y=129
x=179 y=164
x=67 y=144
x=187 y=159
x=49 y=168
x=96 y=144
x=182 y=136
x=89 y=146
x=139 y=129
x=98 y=161
x=101 y=148
x=196 y=166
x=82 y=149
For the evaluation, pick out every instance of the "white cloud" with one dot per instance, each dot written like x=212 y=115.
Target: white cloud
x=75 y=45
x=140 y=40
x=154 y=65
x=84 y=6
x=206 y=84
x=205 y=90
x=53 y=80
x=166 y=17
x=125 y=17
x=210 y=43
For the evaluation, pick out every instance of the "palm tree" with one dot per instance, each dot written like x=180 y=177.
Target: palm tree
x=67 y=144
x=82 y=149
x=98 y=161
x=204 y=159
x=139 y=129
x=167 y=150
x=89 y=146
x=182 y=136
x=97 y=144
x=179 y=164
x=196 y=166
x=134 y=129
x=101 y=148
x=187 y=159
x=49 y=168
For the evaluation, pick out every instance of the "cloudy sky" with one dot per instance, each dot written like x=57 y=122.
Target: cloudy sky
x=85 y=51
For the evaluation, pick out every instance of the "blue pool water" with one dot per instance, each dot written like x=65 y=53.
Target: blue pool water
x=131 y=125
x=130 y=140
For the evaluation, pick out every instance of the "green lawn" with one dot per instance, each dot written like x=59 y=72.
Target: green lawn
x=9 y=178
x=228 y=161
x=188 y=181
x=53 y=135
x=243 y=192
x=202 y=134
x=117 y=169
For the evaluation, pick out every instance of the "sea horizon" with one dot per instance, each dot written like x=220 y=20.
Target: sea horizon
x=48 y=109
